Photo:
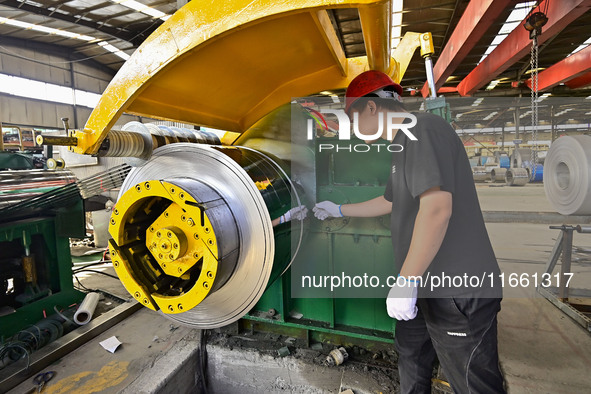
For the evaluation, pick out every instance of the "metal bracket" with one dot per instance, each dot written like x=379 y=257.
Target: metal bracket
x=563 y=248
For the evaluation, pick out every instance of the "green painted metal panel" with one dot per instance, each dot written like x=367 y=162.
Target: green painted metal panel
x=53 y=265
x=355 y=246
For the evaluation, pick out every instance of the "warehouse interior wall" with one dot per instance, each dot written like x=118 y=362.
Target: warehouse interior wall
x=50 y=64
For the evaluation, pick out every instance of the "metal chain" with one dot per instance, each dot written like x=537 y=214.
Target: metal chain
x=534 y=106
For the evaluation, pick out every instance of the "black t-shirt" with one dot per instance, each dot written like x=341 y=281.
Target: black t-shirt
x=438 y=158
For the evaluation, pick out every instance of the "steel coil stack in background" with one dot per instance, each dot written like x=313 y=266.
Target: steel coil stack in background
x=567 y=180
x=521 y=158
x=480 y=173
x=516 y=177
x=538 y=172
x=502 y=159
x=498 y=174
x=486 y=160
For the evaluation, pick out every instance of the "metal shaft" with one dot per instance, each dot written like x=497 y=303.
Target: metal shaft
x=56 y=140
x=430 y=76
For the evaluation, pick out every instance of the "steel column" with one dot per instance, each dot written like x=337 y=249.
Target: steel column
x=517 y=44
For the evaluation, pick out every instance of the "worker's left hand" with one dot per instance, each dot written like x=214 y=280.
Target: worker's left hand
x=297 y=213
x=402 y=299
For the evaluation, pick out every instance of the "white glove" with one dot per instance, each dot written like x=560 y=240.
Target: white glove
x=402 y=299
x=327 y=209
x=298 y=213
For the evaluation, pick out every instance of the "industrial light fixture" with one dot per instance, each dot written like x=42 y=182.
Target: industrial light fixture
x=44 y=29
x=523 y=115
x=143 y=8
x=543 y=97
x=114 y=50
x=580 y=47
x=63 y=33
x=492 y=84
x=489 y=116
x=563 y=112
x=477 y=102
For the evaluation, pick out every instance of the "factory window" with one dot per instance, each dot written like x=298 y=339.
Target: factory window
x=28 y=88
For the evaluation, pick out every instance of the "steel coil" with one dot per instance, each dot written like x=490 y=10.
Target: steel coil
x=138 y=140
x=498 y=174
x=504 y=161
x=484 y=160
x=516 y=177
x=480 y=173
x=567 y=179
x=519 y=156
x=538 y=171
x=240 y=190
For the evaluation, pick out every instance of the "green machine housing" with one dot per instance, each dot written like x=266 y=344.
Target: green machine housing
x=36 y=266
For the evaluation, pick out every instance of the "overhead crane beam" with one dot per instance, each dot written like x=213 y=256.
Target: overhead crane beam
x=576 y=65
x=579 y=82
x=475 y=21
x=517 y=44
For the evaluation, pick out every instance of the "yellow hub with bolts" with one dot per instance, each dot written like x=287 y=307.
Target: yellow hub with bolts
x=164 y=247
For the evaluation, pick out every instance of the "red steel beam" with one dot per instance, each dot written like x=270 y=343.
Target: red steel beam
x=579 y=82
x=517 y=44
x=571 y=67
x=478 y=16
x=448 y=89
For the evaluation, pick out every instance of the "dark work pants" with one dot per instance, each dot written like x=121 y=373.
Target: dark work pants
x=462 y=332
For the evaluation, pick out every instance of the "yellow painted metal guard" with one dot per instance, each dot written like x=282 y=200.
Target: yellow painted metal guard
x=226 y=64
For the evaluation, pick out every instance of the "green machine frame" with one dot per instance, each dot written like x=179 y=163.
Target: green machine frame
x=47 y=239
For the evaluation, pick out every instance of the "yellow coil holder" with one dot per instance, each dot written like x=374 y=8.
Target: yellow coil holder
x=178 y=242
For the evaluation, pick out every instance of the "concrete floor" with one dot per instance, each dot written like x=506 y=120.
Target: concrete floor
x=498 y=197
x=541 y=349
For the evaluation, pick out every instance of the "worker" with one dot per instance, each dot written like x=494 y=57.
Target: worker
x=438 y=234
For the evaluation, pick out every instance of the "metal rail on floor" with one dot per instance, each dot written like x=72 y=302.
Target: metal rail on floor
x=580 y=313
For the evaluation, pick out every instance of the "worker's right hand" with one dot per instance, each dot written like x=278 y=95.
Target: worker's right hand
x=402 y=299
x=327 y=209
